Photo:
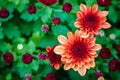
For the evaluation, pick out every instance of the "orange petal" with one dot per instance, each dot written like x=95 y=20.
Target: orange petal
x=67 y=66
x=96 y=47
x=48 y=49
x=79 y=14
x=87 y=65
x=59 y=49
x=62 y=39
x=92 y=64
x=103 y=13
x=83 y=8
x=70 y=36
x=77 y=33
x=77 y=24
x=95 y=8
x=75 y=67
x=56 y=66
x=101 y=78
x=88 y=9
x=105 y=25
x=82 y=71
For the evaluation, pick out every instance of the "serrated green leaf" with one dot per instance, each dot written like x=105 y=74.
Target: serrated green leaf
x=30 y=48
x=60 y=30
x=11 y=31
x=45 y=14
x=34 y=65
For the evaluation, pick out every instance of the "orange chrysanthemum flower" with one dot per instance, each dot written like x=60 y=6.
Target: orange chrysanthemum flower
x=55 y=59
x=90 y=19
x=101 y=78
x=78 y=51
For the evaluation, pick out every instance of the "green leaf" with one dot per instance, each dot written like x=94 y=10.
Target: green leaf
x=9 y=76
x=60 y=30
x=1 y=33
x=11 y=31
x=112 y=12
x=34 y=65
x=45 y=13
x=22 y=5
x=48 y=40
x=30 y=48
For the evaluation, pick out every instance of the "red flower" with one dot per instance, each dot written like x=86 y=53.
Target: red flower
x=27 y=58
x=51 y=76
x=105 y=53
x=8 y=57
x=97 y=74
x=4 y=13
x=31 y=9
x=104 y=2
x=56 y=20
x=48 y=2
x=55 y=60
x=118 y=48
x=113 y=65
x=67 y=7
x=90 y=20
x=78 y=51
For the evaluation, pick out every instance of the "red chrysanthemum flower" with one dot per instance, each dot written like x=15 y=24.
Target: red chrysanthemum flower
x=118 y=65
x=8 y=57
x=31 y=9
x=104 y=2
x=97 y=74
x=27 y=58
x=105 y=53
x=42 y=56
x=67 y=7
x=118 y=48
x=90 y=20
x=56 y=20
x=113 y=65
x=4 y=13
x=51 y=76
x=55 y=59
x=48 y=2
x=78 y=51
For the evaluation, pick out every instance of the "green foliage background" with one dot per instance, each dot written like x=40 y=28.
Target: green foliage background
x=24 y=28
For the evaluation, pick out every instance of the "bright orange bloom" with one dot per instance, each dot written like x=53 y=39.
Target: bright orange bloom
x=78 y=51
x=101 y=78
x=90 y=20
x=55 y=59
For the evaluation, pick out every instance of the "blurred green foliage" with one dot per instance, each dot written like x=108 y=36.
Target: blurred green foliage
x=20 y=27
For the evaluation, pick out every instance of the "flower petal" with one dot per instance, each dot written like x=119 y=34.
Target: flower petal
x=105 y=25
x=101 y=78
x=92 y=64
x=56 y=66
x=83 y=8
x=96 y=47
x=59 y=49
x=62 y=39
x=79 y=14
x=103 y=13
x=82 y=71
x=77 y=24
x=70 y=36
x=67 y=66
x=94 y=8
x=48 y=49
